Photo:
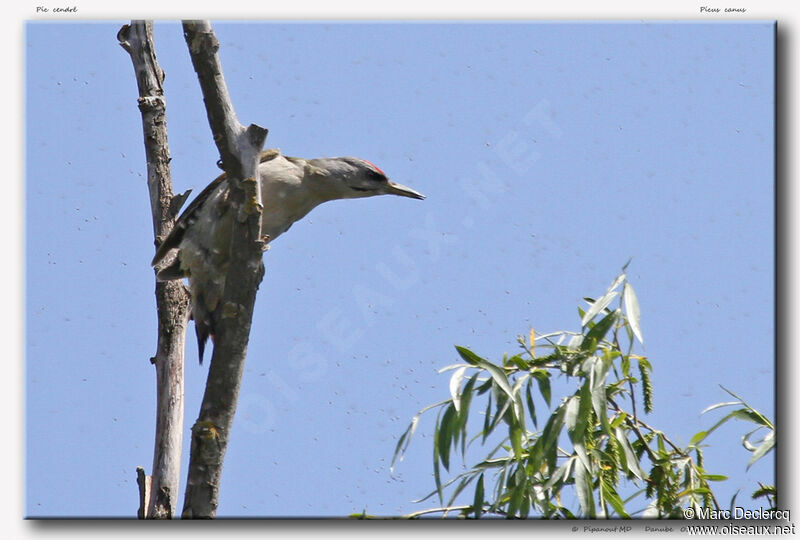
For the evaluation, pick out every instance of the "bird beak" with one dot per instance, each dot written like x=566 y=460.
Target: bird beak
x=403 y=191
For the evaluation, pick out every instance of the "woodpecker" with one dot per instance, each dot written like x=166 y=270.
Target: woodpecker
x=290 y=189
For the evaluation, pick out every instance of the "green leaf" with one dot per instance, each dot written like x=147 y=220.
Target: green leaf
x=543 y=379
x=445 y=435
x=451 y=367
x=762 y=420
x=560 y=474
x=632 y=310
x=402 y=443
x=566 y=513
x=662 y=449
x=518 y=486
x=631 y=337
x=626 y=366
x=466 y=478
x=503 y=404
x=762 y=492
x=362 y=515
x=747 y=436
x=498 y=374
x=477 y=503
x=598 y=372
x=529 y=399
x=714 y=477
x=588 y=344
x=485 y=386
x=575 y=342
x=630 y=455
x=517 y=361
x=601 y=303
x=499 y=377
x=515 y=434
x=610 y=495
x=469 y=356
x=698 y=437
x=517 y=494
x=732 y=506
x=583 y=488
x=741 y=414
x=499 y=487
x=487 y=418
x=548 y=441
x=525 y=504
x=584 y=413
x=519 y=407
x=749 y=415
x=766 y=446
x=583 y=457
x=466 y=401
x=719 y=405
x=436 y=475
x=619 y=419
x=599 y=404
x=600 y=329
x=571 y=414
x=405 y=439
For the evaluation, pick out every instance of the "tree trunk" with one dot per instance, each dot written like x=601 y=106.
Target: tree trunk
x=158 y=493
x=239 y=148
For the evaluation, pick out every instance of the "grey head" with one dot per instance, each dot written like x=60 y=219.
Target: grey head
x=351 y=178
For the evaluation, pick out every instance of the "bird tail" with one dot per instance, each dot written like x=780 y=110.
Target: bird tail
x=203 y=333
x=203 y=326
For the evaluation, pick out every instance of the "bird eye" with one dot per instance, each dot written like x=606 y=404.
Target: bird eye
x=375 y=176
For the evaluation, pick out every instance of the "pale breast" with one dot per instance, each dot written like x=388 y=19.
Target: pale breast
x=283 y=195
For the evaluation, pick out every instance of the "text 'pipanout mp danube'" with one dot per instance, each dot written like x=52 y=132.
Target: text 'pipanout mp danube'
x=290 y=189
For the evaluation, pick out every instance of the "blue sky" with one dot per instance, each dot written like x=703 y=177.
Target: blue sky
x=550 y=154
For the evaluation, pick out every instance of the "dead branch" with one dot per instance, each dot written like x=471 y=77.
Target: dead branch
x=158 y=492
x=239 y=148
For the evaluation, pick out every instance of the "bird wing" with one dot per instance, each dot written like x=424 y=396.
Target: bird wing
x=189 y=215
x=185 y=220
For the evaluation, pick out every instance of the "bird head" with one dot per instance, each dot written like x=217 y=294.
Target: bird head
x=352 y=178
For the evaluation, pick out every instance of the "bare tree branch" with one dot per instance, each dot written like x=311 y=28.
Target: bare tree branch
x=239 y=148
x=145 y=484
x=158 y=493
